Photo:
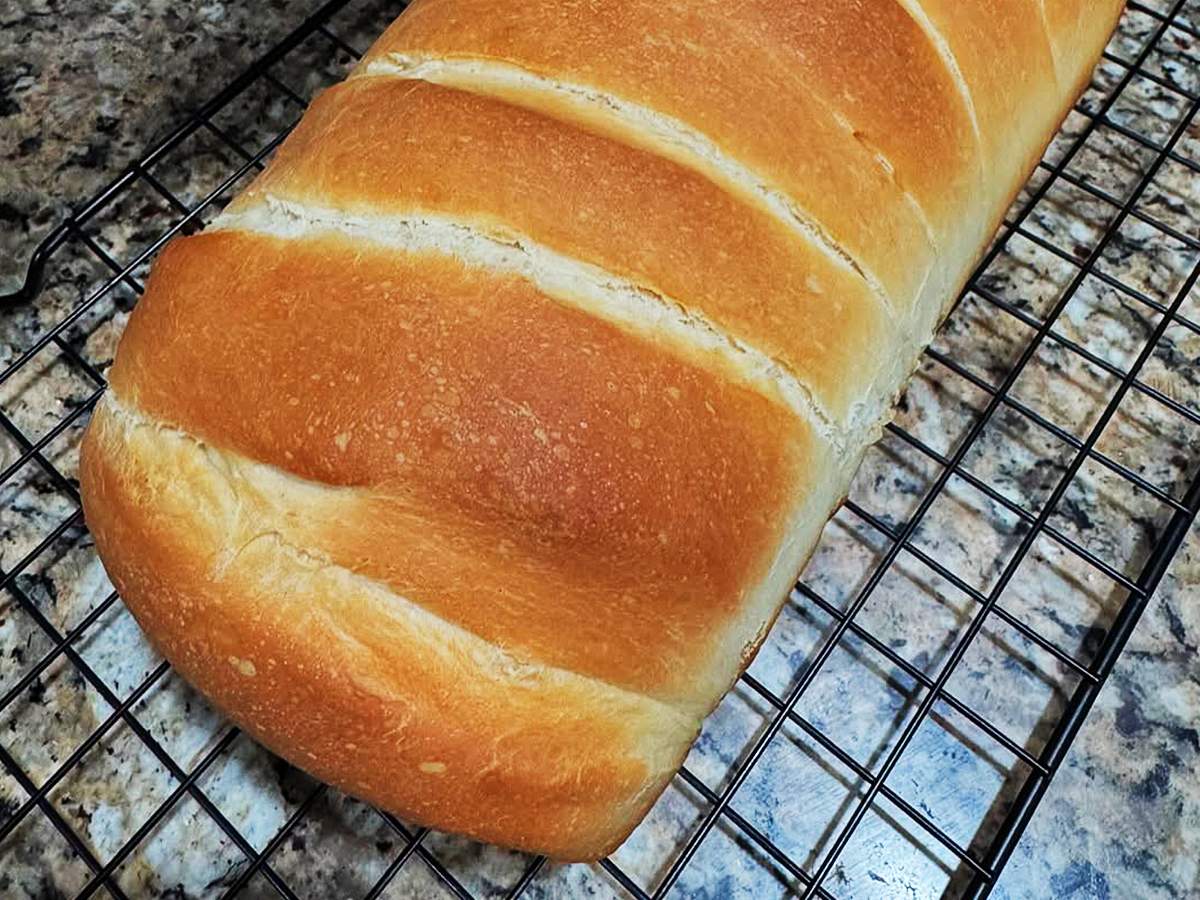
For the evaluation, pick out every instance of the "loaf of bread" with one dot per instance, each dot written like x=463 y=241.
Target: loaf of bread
x=467 y=458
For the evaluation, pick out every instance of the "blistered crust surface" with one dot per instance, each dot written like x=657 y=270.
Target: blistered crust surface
x=522 y=457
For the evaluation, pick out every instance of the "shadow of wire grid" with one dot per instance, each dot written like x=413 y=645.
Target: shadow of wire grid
x=924 y=679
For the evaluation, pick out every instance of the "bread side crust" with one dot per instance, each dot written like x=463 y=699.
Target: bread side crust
x=356 y=684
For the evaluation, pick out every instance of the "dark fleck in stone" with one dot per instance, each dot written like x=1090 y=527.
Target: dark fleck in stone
x=1080 y=880
x=1155 y=784
x=1129 y=719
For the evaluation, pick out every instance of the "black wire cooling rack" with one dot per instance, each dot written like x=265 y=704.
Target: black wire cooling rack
x=924 y=682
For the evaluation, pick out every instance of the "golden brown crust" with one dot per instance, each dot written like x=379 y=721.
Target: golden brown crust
x=1078 y=30
x=1011 y=81
x=354 y=683
x=720 y=69
x=843 y=51
x=391 y=146
x=502 y=434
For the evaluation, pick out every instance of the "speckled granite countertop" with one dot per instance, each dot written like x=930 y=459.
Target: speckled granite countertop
x=84 y=86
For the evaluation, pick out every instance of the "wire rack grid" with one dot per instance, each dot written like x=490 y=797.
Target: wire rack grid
x=924 y=682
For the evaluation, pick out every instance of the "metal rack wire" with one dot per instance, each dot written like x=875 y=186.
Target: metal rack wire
x=985 y=405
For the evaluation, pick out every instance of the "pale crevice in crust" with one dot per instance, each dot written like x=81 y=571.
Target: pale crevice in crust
x=926 y=315
x=1045 y=19
x=584 y=286
x=645 y=127
x=889 y=169
x=943 y=49
x=881 y=159
x=239 y=477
